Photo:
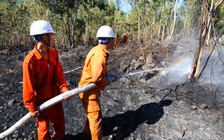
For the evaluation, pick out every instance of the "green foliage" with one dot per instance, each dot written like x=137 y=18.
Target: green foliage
x=219 y=18
x=13 y=29
x=193 y=12
x=78 y=21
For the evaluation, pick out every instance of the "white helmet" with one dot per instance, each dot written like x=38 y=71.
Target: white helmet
x=105 y=32
x=41 y=27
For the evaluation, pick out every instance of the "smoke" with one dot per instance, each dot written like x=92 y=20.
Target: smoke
x=182 y=59
x=179 y=71
x=214 y=70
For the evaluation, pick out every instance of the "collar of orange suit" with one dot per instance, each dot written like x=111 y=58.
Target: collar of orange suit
x=104 y=49
x=37 y=53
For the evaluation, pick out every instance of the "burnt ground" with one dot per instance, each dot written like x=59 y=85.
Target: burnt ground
x=146 y=106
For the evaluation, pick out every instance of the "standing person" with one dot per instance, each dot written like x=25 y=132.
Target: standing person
x=125 y=39
x=43 y=79
x=95 y=71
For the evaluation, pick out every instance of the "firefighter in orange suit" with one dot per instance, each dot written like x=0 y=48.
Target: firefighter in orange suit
x=95 y=71
x=43 y=79
x=125 y=39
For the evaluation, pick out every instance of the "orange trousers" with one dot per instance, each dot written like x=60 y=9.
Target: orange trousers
x=55 y=115
x=93 y=124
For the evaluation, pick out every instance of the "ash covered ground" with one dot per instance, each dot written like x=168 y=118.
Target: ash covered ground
x=160 y=104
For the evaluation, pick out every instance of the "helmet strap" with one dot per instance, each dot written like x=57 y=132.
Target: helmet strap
x=48 y=40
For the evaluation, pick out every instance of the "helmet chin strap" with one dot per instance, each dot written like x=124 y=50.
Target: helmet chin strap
x=47 y=42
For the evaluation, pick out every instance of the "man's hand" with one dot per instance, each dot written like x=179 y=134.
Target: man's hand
x=34 y=114
x=111 y=78
x=67 y=98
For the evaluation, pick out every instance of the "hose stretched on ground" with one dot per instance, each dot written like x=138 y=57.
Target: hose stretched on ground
x=46 y=105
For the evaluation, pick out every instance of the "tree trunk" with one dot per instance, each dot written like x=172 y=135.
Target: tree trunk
x=209 y=28
x=174 y=19
x=159 y=30
x=186 y=23
x=160 y=21
x=139 y=27
x=205 y=33
x=69 y=30
x=201 y=42
x=153 y=25
x=86 y=36
x=73 y=24
x=163 y=32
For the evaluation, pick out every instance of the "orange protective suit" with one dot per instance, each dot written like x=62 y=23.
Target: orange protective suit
x=125 y=39
x=42 y=80
x=94 y=71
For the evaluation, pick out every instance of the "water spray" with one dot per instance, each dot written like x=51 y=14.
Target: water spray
x=140 y=72
x=73 y=70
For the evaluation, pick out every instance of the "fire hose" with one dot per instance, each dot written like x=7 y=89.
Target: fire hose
x=46 y=105
x=60 y=98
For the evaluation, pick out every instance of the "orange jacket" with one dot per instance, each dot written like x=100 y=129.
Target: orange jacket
x=95 y=70
x=42 y=79
x=125 y=39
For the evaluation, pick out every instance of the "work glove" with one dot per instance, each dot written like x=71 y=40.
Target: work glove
x=111 y=78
